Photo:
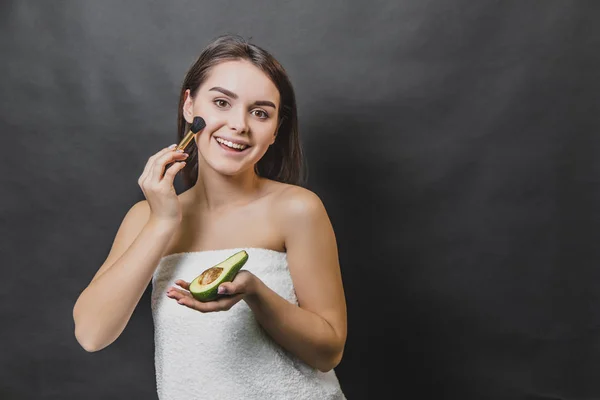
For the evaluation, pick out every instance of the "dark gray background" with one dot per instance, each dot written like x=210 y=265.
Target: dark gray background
x=454 y=144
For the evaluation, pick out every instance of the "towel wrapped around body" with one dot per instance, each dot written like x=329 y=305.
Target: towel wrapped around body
x=227 y=355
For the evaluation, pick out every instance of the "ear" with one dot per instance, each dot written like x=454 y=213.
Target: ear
x=274 y=137
x=276 y=131
x=188 y=107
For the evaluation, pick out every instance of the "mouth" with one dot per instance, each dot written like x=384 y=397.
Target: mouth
x=232 y=146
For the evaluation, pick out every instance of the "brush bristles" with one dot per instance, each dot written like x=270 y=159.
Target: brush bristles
x=198 y=124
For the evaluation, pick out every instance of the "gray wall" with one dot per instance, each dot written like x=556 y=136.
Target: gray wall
x=454 y=144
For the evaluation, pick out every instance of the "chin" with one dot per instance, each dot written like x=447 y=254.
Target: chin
x=229 y=168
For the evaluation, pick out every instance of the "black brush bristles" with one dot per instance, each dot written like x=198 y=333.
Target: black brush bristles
x=198 y=124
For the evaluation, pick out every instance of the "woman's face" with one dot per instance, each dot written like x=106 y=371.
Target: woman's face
x=240 y=105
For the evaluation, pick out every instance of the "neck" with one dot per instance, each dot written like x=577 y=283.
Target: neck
x=216 y=191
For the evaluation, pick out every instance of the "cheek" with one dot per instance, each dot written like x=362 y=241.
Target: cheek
x=213 y=124
x=264 y=131
x=214 y=121
x=211 y=116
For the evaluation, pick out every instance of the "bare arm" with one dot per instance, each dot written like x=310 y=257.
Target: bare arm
x=315 y=330
x=106 y=305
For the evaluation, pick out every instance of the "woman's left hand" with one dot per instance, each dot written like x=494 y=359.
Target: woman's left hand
x=230 y=293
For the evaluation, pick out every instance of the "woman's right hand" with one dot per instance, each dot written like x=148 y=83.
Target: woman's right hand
x=157 y=184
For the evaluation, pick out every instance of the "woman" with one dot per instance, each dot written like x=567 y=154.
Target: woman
x=283 y=323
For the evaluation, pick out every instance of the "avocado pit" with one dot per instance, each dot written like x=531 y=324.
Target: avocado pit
x=209 y=275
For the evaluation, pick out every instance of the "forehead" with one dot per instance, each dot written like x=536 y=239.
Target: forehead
x=242 y=78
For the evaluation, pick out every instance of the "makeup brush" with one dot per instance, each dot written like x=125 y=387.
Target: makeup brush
x=197 y=125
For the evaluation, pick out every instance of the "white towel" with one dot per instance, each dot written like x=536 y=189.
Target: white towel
x=227 y=354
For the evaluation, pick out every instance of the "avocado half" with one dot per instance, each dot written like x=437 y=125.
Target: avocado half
x=204 y=287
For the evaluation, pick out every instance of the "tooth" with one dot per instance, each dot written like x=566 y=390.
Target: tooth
x=231 y=144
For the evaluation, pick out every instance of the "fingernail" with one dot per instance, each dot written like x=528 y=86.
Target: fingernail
x=221 y=290
x=173 y=146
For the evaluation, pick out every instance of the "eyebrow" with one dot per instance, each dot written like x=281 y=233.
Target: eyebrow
x=235 y=96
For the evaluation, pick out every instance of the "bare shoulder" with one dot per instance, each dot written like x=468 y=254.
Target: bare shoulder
x=134 y=221
x=295 y=202
x=138 y=214
x=298 y=208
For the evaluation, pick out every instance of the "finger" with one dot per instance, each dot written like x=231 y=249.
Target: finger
x=152 y=159
x=237 y=285
x=174 y=295
x=177 y=293
x=150 y=163
x=172 y=171
x=190 y=302
x=178 y=296
x=160 y=163
x=228 y=288
x=183 y=284
x=157 y=171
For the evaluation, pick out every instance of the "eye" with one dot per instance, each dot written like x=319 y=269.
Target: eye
x=221 y=103
x=261 y=114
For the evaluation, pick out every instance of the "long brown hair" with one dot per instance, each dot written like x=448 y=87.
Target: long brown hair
x=283 y=161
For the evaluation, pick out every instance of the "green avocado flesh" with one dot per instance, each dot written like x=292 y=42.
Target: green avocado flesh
x=204 y=287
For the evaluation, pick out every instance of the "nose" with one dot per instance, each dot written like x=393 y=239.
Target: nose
x=237 y=122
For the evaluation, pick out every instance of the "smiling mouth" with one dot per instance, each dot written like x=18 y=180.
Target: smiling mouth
x=230 y=145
